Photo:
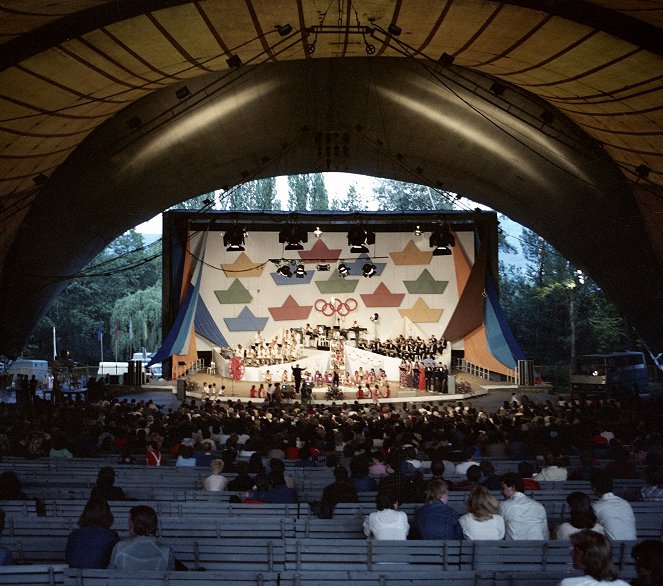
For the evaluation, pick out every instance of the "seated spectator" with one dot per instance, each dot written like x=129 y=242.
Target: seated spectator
x=377 y=467
x=592 y=553
x=185 y=458
x=278 y=466
x=274 y=490
x=482 y=520
x=551 y=471
x=653 y=491
x=203 y=453
x=473 y=476
x=142 y=551
x=243 y=480
x=524 y=518
x=387 y=522
x=586 y=468
x=526 y=471
x=436 y=519
x=620 y=467
x=90 y=545
x=437 y=469
x=491 y=480
x=215 y=482
x=406 y=483
x=468 y=460
x=582 y=516
x=153 y=453
x=105 y=487
x=10 y=487
x=648 y=557
x=59 y=448
x=6 y=558
x=341 y=490
x=359 y=466
x=613 y=513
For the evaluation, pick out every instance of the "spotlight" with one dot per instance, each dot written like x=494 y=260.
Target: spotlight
x=497 y=88
x=394 y=30
x=284 y=271
x=317 y=232
x=442 y=240
x=234 y=239
x=417 y=231
x=234 y=61
x=324 y=267
x=547 y=117
x=358 y=237
x=374 y=317
x=134 y=123
x=446 y=59
x=642 y=171
x=301 y=272
x=183 y=92
x=284 y=29
x=293 y=236
x=368 y=269
x=343 y=270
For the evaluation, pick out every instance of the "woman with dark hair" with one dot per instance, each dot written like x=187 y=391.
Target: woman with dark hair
x=90 y=545
x=105 y=487
x=11 y=488
x=387 y=522
x=582 y=516
x=648 y=557
x=592 y=553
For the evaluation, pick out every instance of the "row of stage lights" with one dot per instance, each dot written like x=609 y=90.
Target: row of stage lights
x=294 y=237
x=291 y=268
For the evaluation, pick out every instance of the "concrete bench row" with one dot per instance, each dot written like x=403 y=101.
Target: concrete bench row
x=356 y=555
x=62 y=575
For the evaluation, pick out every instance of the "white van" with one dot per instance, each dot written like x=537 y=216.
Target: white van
x=38 y=368
x=112 y=368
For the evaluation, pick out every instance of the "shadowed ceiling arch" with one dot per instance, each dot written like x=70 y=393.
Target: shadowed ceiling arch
x=551 y=118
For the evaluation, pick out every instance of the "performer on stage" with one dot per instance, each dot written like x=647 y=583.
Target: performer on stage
x=297 y=377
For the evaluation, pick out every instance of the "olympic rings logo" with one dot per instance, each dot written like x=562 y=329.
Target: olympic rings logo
x=329 y=308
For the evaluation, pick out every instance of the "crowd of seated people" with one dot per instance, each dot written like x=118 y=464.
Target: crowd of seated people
x=387 y=449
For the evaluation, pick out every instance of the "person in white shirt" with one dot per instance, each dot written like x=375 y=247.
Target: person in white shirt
x=524 y=518
x=215 y=482
x=613 y=513
x=582 y=516
x=592 y=553
x=551 y=471
x=482 y=520
x=387 y=522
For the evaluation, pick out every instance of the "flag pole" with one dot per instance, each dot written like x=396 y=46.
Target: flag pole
x=55 y=348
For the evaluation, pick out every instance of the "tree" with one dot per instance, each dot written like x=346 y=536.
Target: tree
x=319 y=200
x=143 y=310
x=556 y=311
x=399 y=196
x=298 y=192
x=350 y=203
x=254 y=195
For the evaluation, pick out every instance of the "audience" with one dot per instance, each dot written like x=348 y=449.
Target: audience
x=387 y=522
x=648 y=557
x=524 y=518
x=592 y=553
x=482 y=520
x=105 y=486
x=215 y=482
x=582 y=516
x=90 y=545
x=436 y=519
x=142 y=551
x=613 y=512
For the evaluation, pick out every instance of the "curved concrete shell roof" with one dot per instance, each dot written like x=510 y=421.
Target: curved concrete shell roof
x=550 y=112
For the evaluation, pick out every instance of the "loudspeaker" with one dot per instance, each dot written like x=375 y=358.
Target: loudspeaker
x=525 y=373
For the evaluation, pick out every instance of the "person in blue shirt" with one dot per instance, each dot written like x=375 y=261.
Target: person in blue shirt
x=436 y=519
x=90 y=545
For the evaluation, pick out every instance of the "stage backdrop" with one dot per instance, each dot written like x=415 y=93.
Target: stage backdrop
x=223 y=298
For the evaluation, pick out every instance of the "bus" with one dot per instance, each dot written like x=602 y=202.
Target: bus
x=618 y=372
